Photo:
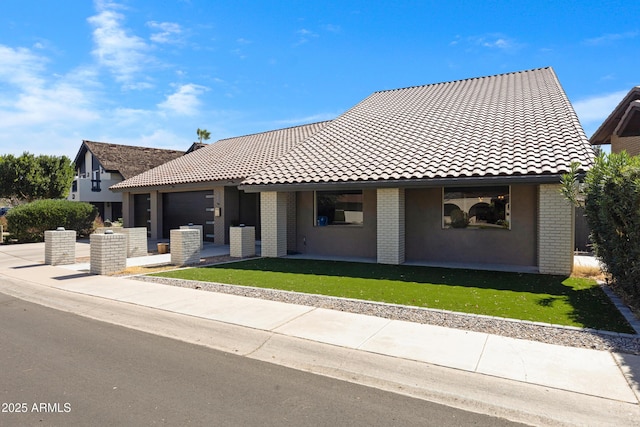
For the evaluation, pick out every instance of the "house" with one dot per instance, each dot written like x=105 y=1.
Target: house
x=100 y=165
x=201 y=187
x=456 y=173
x=622 y=128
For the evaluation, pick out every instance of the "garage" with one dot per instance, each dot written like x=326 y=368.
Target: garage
x=195 y=207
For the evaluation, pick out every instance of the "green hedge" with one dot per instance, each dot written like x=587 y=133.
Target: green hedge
x=612 y=208
x=29 y=222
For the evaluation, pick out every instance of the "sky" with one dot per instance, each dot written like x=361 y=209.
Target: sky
x=151 y=72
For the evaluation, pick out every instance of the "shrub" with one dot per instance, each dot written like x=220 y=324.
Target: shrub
x=612 y=207
x=29 y=222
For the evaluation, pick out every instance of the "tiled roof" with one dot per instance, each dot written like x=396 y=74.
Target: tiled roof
x=226 y=159
x=128 y=160
x=510 y=124
x=610 y=125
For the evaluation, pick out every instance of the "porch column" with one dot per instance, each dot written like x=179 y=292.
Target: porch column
x=155 y=216
x=273 y=211
x=556 y=231
x=390 y=225
x=127 y=209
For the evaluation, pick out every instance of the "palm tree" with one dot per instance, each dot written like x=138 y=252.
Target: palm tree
x=203 y=134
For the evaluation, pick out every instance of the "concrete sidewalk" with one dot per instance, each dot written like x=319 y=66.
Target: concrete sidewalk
x=609 y=382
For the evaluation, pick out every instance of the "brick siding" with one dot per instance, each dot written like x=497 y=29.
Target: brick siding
x=391 y=225
x=273 y=208
x=556 y=224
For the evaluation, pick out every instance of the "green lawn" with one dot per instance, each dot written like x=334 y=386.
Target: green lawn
x=541 y=298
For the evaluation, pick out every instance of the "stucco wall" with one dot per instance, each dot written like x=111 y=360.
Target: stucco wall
x=426 y=240
x=339 y=240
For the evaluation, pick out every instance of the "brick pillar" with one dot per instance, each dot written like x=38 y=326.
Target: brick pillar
x=390 y=225
x=185 y=246
x=242 y=241
x=556 y=230
x=136 y=241
x=108 y=253
x=195 y=227
x=59 y=247
x=273 y=211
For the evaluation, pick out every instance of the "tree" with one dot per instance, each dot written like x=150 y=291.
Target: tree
x=203 y=134
x=611 y=198
x=29 y=177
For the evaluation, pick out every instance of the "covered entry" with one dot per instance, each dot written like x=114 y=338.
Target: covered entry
x=182 y=208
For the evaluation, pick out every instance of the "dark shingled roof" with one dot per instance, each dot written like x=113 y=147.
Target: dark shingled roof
x=128 y=160
x=227 y=159
x=515 y=124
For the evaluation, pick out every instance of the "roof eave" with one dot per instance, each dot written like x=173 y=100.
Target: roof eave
x=407 y=183
x=602 y=136
x=184 y=186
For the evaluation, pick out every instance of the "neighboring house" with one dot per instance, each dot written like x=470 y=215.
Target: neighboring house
x=100 y=165
x=622 y=128
x=202 y=187
x=457 y=173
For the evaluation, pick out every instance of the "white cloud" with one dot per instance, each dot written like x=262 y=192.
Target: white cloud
x=490 y=41
x=610 y=38
x=597 y=108
x=20 y=66
x=184 y=101
x=304 y=36
x=123 y=54
x=166 y=32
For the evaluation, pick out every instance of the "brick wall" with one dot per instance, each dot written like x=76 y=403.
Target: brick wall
x=59 y=247
x=185 y=246
x=630 y=144
x=273 y=210
x=390 y=225
x=108 y=253
x=556 y=223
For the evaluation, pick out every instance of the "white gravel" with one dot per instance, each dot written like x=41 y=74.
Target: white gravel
x=551 y=334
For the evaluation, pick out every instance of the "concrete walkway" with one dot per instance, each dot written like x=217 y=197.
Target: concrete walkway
x=608 y=383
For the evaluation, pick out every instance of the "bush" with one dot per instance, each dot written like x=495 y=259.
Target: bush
x=612 y=208
x=29 y=222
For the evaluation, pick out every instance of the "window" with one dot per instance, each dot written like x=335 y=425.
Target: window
x=476 y=207
x=339 y=207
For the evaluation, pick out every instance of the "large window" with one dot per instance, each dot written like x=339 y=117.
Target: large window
x=339 y=207
x=476 y=207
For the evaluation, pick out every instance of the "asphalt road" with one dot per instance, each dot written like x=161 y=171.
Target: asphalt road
x=58 y=368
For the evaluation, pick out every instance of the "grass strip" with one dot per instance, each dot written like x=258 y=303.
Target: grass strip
x=534 y=297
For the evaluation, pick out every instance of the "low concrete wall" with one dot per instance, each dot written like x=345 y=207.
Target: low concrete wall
x=185 y=246
x=59 y=247
x=108 y=253
x=242 y=241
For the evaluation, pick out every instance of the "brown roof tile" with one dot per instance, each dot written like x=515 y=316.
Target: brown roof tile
x=510 y=124
x=128 y=160
x=226 y=159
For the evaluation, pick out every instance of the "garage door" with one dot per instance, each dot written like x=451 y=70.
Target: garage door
x=194 y=207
